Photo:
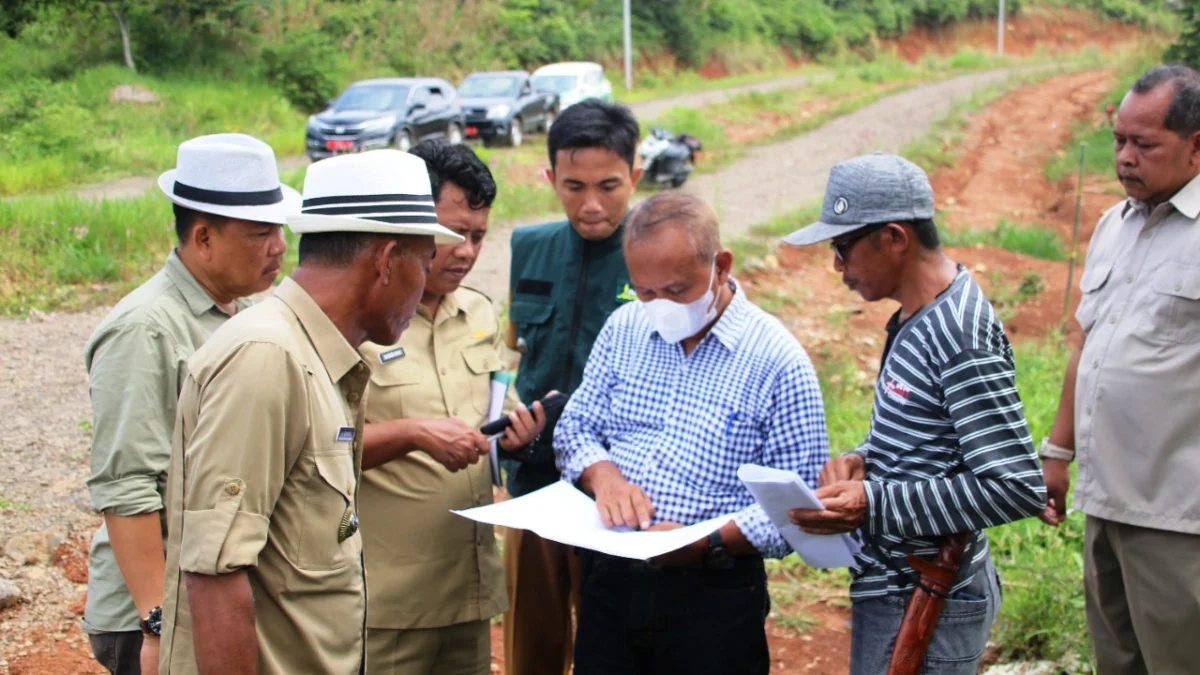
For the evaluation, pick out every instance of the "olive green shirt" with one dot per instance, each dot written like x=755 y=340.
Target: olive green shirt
x=427 y=567
x=135 y=360
x=1137 y=434
x=263 y=478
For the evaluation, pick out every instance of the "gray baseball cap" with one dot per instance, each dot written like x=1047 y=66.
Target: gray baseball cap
x=876 y=188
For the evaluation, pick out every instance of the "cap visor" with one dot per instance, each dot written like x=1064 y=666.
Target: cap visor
x=312 y=224
x=818 y=232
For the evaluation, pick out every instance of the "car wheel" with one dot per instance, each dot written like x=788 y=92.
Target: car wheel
x=404 y=140
x=549 y=120
x=454 y=134
x=515 y=135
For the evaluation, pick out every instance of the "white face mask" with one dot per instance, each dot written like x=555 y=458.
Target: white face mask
x=675 y=321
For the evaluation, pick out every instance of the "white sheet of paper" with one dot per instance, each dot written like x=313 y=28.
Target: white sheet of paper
x=495 y=409
x=778 y=492
x=562 y=513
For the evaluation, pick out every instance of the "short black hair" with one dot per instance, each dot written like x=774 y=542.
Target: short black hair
x=924 y=228
x=460 y=165
x=185 y=220
x=339 y=249
x=1183 y=113
x=595 y=124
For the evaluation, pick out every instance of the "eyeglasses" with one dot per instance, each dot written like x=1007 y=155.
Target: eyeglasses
x=841 y=247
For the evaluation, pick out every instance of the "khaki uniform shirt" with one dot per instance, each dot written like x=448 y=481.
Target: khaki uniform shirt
x=428 y=567
x=1137 y=433
x=263 y=477
x=135 y=361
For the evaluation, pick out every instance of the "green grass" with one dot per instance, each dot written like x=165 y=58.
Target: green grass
x=68 y=132
x=1029 y=240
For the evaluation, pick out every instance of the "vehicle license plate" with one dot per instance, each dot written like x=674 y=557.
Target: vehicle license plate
x=339 y=145
x=472 y=131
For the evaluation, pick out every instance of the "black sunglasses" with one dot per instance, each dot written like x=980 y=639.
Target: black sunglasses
x=841 y=247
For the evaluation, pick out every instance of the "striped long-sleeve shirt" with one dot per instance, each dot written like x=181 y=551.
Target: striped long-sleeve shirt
x=949 y=449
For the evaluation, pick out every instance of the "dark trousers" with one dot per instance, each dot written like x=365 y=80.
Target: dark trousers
x=120 y=653
x=639 y=618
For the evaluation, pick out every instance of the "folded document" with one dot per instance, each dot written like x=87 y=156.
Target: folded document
x=562 y=513
x=780 y=491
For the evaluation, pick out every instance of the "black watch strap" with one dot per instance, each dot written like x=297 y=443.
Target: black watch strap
x=151 y=624
x=717 y=557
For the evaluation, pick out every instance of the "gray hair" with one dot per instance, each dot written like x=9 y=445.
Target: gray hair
x=678 y=209
x=1183 y=113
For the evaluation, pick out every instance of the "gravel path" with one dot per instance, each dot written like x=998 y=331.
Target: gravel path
x=46 y=415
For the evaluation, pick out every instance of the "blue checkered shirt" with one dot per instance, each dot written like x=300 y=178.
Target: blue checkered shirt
x=680 y=426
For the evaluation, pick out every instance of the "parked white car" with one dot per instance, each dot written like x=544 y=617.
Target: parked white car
x=573 y=82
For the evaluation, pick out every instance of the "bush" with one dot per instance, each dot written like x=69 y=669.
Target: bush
x=1187 y=48
x=306 y=67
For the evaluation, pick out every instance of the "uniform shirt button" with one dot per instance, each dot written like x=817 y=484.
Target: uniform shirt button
x=522 y=346
x=1178 y=287
x=1129 y=278
x=1096 y=363
x=1089 y=410
x=232 y=489
x=442 y=371
x=1112 y=319
x=360 y=367
x=352 y=397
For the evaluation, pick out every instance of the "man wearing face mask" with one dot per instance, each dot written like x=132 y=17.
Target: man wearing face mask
x=567 y=278
x=681 y=389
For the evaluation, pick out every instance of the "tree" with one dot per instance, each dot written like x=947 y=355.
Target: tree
x=119 y=11
x=1187 y=48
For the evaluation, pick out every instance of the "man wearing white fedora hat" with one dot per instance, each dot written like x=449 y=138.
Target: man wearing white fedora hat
x=229 y=211
x=264 y=559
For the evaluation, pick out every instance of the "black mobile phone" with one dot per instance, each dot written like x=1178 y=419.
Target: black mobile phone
x=551 y=403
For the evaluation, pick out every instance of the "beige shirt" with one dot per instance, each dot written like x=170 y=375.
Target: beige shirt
x=263 y=477
x=1137 y=432
x=428 y=567
x=135 y=361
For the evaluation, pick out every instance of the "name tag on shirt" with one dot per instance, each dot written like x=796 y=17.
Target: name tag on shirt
x=345 y=434
x=391 y=355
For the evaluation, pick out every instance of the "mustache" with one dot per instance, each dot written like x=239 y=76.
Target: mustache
x=1126 y=177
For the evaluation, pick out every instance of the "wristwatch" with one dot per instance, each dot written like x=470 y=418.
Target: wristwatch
x=152 y=624
x=717 y=556
x=1052 y=451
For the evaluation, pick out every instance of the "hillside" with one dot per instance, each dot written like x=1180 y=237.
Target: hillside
x=260 y=67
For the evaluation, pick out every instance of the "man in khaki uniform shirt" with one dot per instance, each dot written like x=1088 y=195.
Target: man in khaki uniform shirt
x=1129 y=400
x=436 y=578
x=264 y=566
x=228 y=249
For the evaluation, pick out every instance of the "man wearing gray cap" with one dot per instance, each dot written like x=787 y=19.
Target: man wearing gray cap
x=949 y=452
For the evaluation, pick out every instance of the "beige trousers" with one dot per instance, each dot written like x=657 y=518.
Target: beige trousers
x=1143 y=599
x=460 y=649
x=543 y=587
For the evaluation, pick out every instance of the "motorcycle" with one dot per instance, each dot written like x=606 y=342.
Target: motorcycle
x=667 y=158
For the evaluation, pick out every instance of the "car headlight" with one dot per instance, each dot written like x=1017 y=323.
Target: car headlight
x=379 y=123
x=312 y=121
x=498 y=111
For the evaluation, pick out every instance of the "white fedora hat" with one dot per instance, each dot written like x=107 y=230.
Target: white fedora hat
x=232 y=175
x=382 y=191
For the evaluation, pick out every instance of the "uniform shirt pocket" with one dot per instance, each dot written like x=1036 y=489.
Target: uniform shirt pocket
x=327 y=503
x=482 y=360
x=1174 y=311
x=1091 y=283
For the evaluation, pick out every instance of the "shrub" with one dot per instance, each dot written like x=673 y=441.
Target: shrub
x=306 y=67
x=1187 y=48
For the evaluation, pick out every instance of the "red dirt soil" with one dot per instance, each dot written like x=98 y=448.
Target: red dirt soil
x=1044 y=29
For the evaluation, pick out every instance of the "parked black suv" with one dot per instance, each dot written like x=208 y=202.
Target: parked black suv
x=397 y=112
x=500 y=107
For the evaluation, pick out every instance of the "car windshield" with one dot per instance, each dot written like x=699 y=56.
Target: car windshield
x=372 y=97
x=488 y=87
x=554 y=84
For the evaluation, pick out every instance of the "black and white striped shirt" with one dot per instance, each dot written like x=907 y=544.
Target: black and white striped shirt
x=949 y=449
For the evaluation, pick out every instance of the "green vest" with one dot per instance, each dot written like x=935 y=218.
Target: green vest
x=563 y=289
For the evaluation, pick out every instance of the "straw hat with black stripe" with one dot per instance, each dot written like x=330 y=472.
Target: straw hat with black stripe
x=381 y=191
x=231 y=175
